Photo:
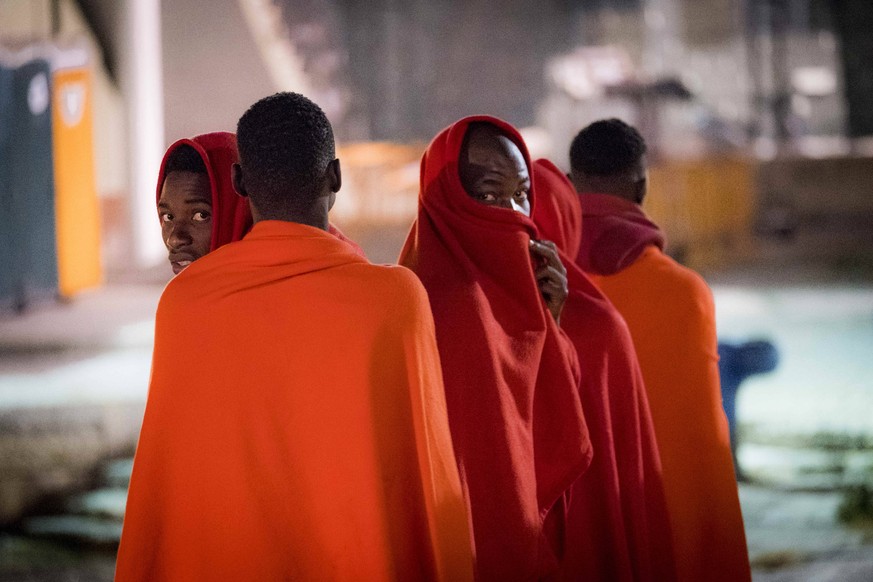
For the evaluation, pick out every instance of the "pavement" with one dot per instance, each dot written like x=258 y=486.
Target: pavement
x=73 y=383
x=74 y=375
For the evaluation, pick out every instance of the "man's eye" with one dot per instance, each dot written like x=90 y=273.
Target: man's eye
x=201 y=216
x=487 y=197
x=166 y=217
x=521 y=195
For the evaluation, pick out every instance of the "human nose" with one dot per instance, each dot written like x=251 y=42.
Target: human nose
x=179 y=236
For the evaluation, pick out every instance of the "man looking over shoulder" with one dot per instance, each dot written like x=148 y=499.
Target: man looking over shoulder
x=296 y=426
x=198 y=208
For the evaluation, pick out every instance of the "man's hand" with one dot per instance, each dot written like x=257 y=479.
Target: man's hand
x=551 y=275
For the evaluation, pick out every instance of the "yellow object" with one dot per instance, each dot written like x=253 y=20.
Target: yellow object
x=705 y=207
x=76 y=206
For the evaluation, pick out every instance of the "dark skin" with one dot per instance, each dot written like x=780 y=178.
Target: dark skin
x=310 y=210
x=185 y=210
x=630 y=184
x=493 y=172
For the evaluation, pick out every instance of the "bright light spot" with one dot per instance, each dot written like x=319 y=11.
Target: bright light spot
x=814 y=81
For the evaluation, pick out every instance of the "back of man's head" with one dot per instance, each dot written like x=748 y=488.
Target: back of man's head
x=285 y=147
x=608 y=155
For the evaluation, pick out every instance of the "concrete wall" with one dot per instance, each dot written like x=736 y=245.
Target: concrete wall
x=24 y=21
x=833 y=189
x=212 y=69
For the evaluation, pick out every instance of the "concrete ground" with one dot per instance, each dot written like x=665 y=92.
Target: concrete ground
x=73 y=381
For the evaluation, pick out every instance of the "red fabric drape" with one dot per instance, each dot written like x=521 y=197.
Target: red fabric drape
x=559 y=212
x=615 y=521
x=617 y=231
x=510 y=373
x=231 y=217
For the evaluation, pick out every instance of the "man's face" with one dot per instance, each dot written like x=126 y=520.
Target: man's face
x=185 y=210
x=493 y=171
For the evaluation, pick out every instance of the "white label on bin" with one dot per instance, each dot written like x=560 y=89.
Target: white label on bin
x=38 y=94
x=72 y=102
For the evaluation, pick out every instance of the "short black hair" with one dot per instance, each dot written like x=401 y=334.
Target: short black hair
x=285 y=145
x=606 y=148
x=185 y=158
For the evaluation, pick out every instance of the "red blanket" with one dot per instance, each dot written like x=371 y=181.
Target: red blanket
x=559 y=212
x=511 y=375
x=617 y=231
x=617 y=527
x=231 y=217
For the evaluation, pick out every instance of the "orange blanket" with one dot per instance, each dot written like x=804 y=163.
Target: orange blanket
x=671 y=315
x=296 y=423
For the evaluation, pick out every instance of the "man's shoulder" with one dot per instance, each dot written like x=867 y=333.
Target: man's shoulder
x=181 y=293
x=393 y=284
x=669 y=274
x=392 y=294
x=395 y=277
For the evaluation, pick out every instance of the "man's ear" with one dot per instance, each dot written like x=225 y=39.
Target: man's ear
x=640 y=190
x=236 y=175
x=334 y=176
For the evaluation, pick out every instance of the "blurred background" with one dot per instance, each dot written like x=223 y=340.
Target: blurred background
x=758 y=114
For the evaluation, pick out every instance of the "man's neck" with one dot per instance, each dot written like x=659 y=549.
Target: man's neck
x=315 y=216
x=616 y=186
x=623 y=196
